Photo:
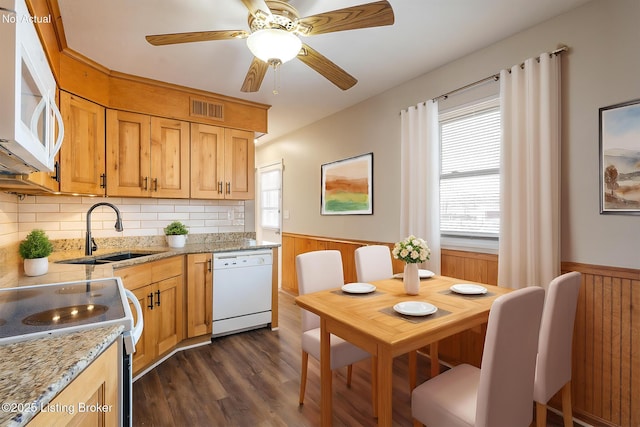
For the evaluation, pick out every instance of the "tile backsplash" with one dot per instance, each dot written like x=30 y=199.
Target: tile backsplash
x=64 y=217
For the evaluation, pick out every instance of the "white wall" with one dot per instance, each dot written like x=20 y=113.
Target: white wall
x=601 y=69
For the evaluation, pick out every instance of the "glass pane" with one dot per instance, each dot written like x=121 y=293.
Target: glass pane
x=470 y=205
x=30 y=98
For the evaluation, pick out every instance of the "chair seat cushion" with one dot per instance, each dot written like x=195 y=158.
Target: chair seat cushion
x=448 y=400
x=343 y=353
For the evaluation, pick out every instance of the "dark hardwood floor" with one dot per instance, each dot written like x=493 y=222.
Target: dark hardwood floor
x=253 y=379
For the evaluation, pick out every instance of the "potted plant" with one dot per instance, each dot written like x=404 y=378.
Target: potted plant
x=176 y=233
x=35 y=250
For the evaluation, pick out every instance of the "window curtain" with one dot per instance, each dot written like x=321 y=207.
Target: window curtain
x=529 y=249
x=420 y=178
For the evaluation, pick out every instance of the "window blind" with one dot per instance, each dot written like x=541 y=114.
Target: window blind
x=470 y=171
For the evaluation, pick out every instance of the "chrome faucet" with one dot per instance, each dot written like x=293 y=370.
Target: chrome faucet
x=89 y=243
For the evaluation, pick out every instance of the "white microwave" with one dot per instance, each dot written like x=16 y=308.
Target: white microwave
x=31 y=129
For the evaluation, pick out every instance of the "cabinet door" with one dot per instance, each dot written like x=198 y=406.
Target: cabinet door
x=207 y=161
x=239 y=160
x=199 y=294
x=168 y=313
x=169 y=158
x=128 y=155
x=145 y=348
x=82 y=166
x=97 y=385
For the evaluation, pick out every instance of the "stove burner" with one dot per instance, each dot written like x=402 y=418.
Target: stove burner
x=64 y=315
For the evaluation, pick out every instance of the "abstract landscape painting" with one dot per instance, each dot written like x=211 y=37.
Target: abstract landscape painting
x=347 y=186
x=620 y=158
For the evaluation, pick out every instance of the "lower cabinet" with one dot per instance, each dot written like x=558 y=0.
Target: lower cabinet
x=92 y=398
x=199 y=294
x=159 y=287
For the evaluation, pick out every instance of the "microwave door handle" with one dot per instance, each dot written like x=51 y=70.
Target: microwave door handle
x=58 y=144
x=36 y=114
x=139 y=326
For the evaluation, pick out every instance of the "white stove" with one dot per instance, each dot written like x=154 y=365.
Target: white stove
x=31 y=312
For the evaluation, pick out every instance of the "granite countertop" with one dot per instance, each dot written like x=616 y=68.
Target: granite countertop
x=33 y=372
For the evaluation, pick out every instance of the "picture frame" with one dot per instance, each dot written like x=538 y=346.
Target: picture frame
x=619 y=131
x=347 y=186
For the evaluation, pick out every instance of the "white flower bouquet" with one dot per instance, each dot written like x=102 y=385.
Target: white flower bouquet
x=411 y=250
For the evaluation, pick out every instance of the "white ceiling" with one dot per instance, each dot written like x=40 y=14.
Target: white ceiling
x=426 y=34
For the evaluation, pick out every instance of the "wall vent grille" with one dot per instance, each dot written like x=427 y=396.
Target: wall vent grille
x=206 y=109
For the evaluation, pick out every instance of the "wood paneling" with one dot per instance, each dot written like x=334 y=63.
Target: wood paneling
x=606 y=342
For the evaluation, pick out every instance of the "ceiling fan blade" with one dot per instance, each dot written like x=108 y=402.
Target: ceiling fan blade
x=255 y=75
x=326 y=68
x=375 y=14
x=198 y=36
x=257 y=6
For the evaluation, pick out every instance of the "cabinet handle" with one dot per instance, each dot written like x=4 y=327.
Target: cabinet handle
x=155 y=184
x=150 y=296
x=158 y=298
x=103 y=180
x=219 y=187
x=56 y=172
x=229 y=187
x=210 y=265
x=146 y=183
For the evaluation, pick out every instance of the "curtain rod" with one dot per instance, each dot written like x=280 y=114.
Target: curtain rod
x=494 y=77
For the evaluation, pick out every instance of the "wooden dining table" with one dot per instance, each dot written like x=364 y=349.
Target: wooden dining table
x=369 y=321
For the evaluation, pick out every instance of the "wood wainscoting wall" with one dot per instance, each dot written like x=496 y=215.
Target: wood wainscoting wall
x=606 y=342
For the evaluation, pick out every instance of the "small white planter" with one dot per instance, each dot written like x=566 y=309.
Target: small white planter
x=177 y=240
x=36 y=266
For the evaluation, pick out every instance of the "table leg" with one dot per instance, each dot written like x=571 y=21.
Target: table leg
x=435 y=362
x=326 y=414
x=413 y=369
x=385 y=386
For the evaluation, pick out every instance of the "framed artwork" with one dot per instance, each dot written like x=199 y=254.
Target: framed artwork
x=347 y=186
x=620 y=158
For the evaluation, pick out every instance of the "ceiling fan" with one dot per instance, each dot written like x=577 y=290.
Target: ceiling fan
x=273 y=37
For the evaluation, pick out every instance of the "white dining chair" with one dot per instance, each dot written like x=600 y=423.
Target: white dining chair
x=553 y=368
x=373 y=263
x=499 y=393
x=317 y=271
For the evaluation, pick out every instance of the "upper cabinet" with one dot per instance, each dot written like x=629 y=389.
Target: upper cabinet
x=147 y=156
x=82 y=167
x=222 y=163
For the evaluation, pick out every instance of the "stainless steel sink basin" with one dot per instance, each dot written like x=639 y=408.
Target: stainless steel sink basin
x=107 y=258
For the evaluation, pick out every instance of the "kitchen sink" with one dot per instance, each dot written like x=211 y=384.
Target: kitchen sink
x=107 y=258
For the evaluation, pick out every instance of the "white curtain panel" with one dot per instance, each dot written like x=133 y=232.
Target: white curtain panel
x=420 y=178
x=529 y=250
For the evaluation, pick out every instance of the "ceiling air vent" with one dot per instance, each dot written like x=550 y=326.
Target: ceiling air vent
x=206 y=109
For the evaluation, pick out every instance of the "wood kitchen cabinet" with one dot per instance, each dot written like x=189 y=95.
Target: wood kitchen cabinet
x=199 y=294
x=147 y=156
x=97 y=385
x=82 y=166
x=222 y=163
x=159 y=288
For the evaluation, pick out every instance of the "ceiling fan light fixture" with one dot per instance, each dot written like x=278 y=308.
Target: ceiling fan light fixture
x=273 y=44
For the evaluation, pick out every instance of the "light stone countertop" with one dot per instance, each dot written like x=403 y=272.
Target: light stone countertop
x=33 y=372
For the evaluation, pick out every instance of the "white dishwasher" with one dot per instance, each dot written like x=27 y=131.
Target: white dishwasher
x=241 y=291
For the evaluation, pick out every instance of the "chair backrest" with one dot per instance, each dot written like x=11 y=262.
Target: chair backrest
x=373 y=263
x=317 y=271
x=553 y=369
x=505 y=390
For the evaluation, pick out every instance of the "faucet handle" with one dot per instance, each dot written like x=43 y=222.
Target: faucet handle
x=94 y=246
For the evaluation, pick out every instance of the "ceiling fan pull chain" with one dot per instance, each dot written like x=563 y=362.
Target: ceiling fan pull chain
x=276 y=76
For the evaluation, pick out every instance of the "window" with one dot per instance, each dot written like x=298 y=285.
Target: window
x=470 y=171
x=270 y=198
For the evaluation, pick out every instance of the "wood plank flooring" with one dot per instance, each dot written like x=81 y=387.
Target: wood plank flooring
x=253 y=379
